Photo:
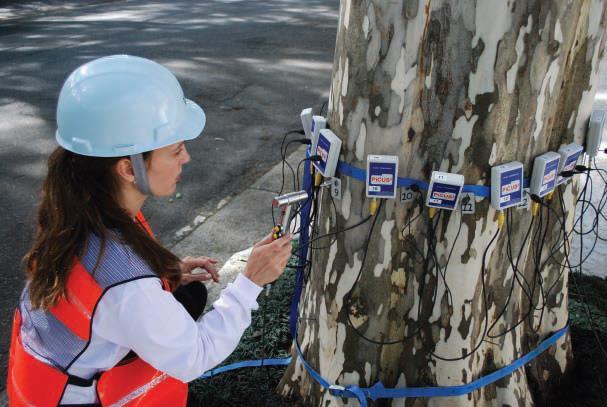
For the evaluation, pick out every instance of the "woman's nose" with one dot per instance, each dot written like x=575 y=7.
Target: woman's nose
x=186 y=156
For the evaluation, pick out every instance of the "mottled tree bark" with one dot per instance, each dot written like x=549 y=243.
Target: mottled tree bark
x=456 y=86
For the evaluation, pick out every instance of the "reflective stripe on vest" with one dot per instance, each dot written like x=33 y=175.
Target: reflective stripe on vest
x=133 y=383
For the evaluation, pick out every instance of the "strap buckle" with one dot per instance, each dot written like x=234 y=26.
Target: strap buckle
x=336 y=390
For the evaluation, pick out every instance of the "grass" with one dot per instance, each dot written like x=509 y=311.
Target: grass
x=255 y=386
x=593 y=292
x=586 y=385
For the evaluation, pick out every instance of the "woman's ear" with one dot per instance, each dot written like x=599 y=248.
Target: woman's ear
x=124 y=169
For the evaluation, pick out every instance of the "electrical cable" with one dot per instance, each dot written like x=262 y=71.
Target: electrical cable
x=361 y=222
x=516 y=273
x=444 y=272
x=323 y=106
x=432 y=249
x=415 y=247
x=310 y=158
x=347 y=296
x=586 y=308
x=439 y=274
x=482 y=339
x=283 y=156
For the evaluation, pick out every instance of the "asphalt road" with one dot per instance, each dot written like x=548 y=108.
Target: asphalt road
x=252 y=65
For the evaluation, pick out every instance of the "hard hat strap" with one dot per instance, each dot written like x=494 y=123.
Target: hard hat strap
x=141 y=174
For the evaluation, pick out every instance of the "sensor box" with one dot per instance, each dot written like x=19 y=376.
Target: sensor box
x=597 y=128
x=318 y=123
x=506 y=185
x=569 y=157
x=382 y=176
x=444 y=190
x=306 y=121
x=544 y=175
x=328 y=148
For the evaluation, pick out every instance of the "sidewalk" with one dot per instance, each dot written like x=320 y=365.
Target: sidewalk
x=239 y=222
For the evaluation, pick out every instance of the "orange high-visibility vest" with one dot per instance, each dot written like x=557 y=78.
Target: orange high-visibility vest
x=32 y=382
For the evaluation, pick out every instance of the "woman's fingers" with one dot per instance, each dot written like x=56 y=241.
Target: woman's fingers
x=264 y=241
x=188 y=278
x=213 y=272
x=267 y=261
x=202 y=265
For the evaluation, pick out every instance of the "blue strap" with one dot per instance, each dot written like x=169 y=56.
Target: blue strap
x=246 y=363
x=348 y=170
x=379 y=391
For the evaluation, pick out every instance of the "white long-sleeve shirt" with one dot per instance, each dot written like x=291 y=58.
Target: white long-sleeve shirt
x=141 y=316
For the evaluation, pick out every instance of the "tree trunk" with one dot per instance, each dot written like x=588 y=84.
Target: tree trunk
x=456 y=86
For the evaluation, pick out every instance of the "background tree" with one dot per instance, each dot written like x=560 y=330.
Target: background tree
x=455 y=86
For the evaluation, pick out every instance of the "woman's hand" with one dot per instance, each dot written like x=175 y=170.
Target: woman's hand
x=198 y=269
x=268 y=260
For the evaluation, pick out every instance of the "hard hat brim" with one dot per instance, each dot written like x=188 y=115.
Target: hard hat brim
x=194 y=122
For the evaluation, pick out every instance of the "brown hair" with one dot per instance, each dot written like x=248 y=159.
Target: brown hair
x=80 y=197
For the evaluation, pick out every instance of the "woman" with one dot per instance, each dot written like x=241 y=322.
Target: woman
x=103 y=318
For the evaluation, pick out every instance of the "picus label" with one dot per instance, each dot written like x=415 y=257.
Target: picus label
x=444 y=190
x=382 y=176
x=545 y=171
x=506 y=185
x=328 y=148
x=549 y=180
x=569 y=157
x=318 y=124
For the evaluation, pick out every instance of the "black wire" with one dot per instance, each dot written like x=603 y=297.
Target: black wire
x=331 y=242
x=565 y=245
x=363 y=221
x=420 y=205
x=516 y=272
x=444 y=273
x=283 y=157
x=432 y=249
x=323 y=106
x=348 y=295
x=538 y=270
x=299 y=166
x=283 y=163
x=480 y=342
x=583 y=298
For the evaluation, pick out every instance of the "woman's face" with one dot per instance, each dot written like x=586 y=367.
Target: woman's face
x=164 y=168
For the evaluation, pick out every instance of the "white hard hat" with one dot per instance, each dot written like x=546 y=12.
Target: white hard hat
x=122 y=105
